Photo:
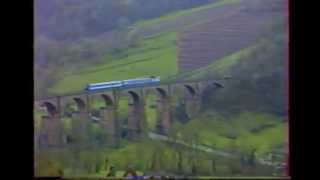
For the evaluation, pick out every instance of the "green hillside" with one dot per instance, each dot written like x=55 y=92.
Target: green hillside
x=220 y=67
x=152 y=56
x=176 y=15
x=244 y=116
x=240 y=132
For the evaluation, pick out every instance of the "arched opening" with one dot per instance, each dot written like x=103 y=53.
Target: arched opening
x=135 y=115
x=217 y=85
x=211 y=87
x=190 y=90
x=135 y=97
x=80 y=104
x=97 y=103
x=107 y=99
x=51 y=109
x=162 y=93
x=162 y=121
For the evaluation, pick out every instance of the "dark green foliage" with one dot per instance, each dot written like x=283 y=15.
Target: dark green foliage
x=257 y=82
x=213 y=164
x=194 y=169
x=257 y=85
x=154 y=161
x=252 y=157
x=81 y=18
x=261 y=128
x=179 y=162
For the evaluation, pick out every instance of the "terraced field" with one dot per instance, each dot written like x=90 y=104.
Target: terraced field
x=220 y=67
x=221 y=36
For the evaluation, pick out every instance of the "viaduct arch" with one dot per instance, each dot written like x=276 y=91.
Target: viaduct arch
x=163 y=111
x=50 y=134
x=52 y=125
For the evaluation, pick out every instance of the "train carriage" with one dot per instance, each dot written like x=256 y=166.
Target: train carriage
x=130 y=83
x=104 y=85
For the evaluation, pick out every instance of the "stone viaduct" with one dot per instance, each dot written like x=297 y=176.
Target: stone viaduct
x=51 y=132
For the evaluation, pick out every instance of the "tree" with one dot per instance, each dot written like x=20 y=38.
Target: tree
x=213 y=166
x=180 y=112
x=179 y=162
x=173 y=133
x=252 y=157
x=194 y=169
x=154 y=161
x=134 y=38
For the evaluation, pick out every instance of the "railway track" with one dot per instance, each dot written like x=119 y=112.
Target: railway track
x=81 y=92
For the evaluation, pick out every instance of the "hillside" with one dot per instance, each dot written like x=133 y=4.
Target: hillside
x=154 y=52
x=240 y=129
x=257 y=74
x=159 y=36
x=79 y=33
x=152 y=56
x=78 y=19
x=182 y=20
x=221 y=36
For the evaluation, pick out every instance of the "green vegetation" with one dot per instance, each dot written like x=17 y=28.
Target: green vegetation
x=175 y=15
x=47 y=168
x=81 y=19
x=221 y=67
x=123 y=56
x=237 y=133
x=145 y=156
x=151 y=112
x=156 y=55
x=89 y=32
x=37 y=118
x=153 y=56
x=244 y=118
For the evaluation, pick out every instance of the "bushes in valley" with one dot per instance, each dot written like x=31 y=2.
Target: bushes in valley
x=234 y=133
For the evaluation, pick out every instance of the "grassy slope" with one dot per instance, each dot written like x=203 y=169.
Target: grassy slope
x=154 y=56
x=216 y=131
x=175 y=15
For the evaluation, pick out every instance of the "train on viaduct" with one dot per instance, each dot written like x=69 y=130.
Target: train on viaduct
x=51 y=130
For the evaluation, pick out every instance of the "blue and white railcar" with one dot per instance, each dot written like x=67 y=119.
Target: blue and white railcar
x=130 y=83
x=140 y=82
x=103 y=86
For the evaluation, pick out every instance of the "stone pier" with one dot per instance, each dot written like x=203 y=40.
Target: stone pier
x=193 y=105
x=80 y=126
x=163 y=115
x=136 y=119
x=109 y=122
x=51 y=132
